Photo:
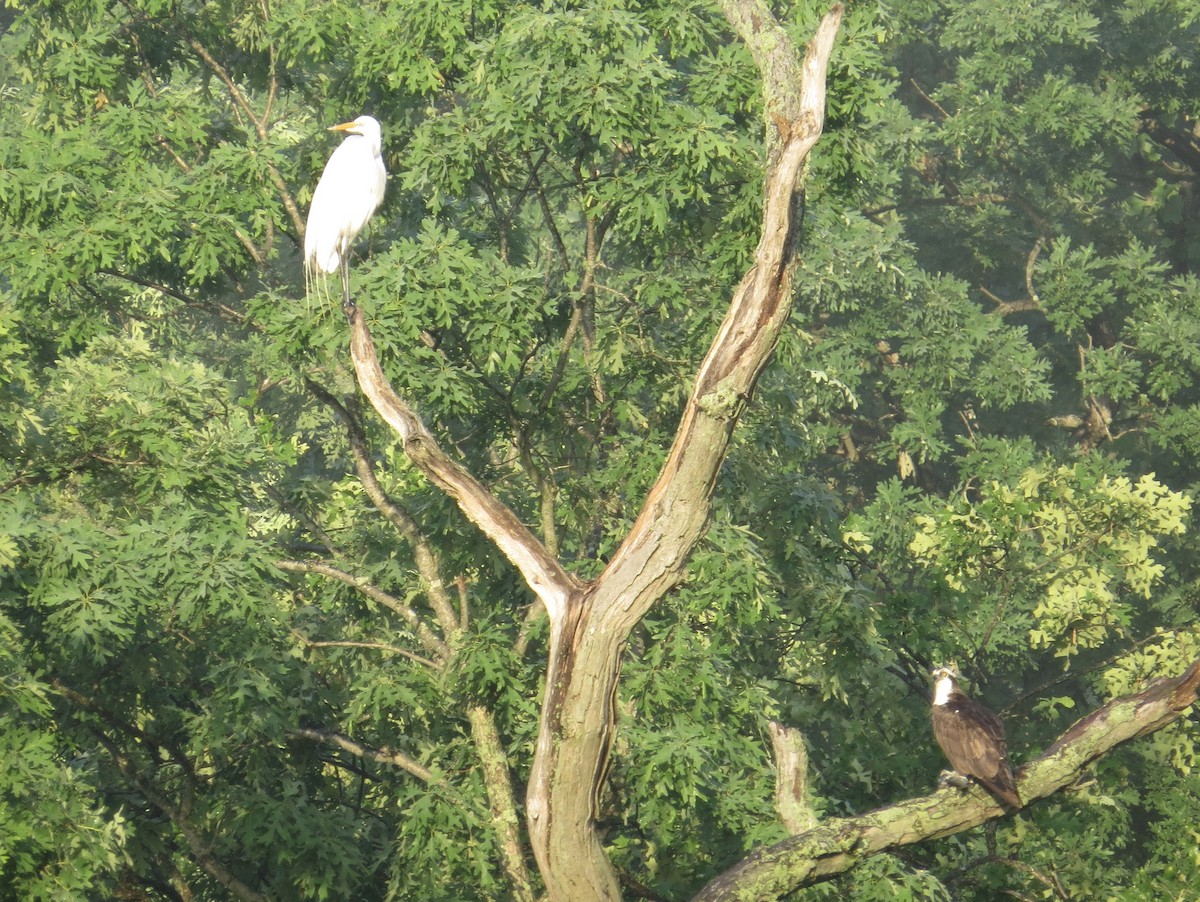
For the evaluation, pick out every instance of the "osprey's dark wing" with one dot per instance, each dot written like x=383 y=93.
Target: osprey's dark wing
x=972 y=738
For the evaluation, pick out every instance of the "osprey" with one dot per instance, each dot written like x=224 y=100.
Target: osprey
x=972 y=738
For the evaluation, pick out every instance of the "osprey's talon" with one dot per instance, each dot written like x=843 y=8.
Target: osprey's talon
x=953 y=778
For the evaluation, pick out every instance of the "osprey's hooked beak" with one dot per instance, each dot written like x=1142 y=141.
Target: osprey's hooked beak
x=946 y=670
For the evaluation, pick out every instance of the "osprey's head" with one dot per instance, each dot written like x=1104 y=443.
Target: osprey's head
x=945 y=681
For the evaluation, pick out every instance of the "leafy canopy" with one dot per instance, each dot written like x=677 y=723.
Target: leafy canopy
x=977 y=440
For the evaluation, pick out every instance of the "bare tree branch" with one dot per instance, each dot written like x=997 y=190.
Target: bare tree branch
x=564 y=352
x=260 y=128
x=375 y=646
x=839 y=844
x=590 y=623
x=178 y=813
x=496 y=775
x=419 y=626
x=587 y=635
x=541 y=571
x=791 y=778
x=795 y=96
x=497 y=780
x=132 y=731
x=381 y=755
x=423 y=553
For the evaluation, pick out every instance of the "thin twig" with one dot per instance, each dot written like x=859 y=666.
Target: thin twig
x=941 y=111
x=379 y=646
x=424 y=555
x=380 y=755
x=391 y=602
x=260 y=128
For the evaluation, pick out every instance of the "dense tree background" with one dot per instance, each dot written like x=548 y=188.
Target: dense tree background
x=249 y=652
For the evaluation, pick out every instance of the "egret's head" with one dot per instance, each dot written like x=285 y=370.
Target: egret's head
x=367 y=126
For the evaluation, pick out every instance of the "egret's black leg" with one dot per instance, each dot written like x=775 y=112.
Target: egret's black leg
x=344 y=266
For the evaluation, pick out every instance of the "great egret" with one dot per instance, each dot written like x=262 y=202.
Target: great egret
x=350 y=190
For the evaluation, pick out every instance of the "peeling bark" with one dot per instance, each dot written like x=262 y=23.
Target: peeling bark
x=589 y=623
x=839 y=844
x=587 y=639
x=791 y=778
x=540 y=570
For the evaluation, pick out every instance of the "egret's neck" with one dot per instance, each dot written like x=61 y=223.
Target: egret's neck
x=942 y=689
x=358 y=138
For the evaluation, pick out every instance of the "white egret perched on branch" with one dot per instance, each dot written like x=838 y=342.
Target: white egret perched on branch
x=350 y=190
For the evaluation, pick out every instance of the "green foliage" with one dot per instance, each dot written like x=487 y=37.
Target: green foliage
x=978 y=440
x=1072 y=545
x=883 y=877
x=56 y=840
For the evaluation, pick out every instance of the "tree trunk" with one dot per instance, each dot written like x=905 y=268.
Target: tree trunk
x=588 y=636
x=589 y=623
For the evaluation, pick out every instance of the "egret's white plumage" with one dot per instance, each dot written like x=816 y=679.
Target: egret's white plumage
x=350 y=190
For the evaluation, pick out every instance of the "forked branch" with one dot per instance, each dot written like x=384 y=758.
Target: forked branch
x=587 y=636
x=652 y=557
x=544 y=575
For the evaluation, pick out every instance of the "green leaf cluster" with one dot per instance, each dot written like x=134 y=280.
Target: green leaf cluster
x=977 y=440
